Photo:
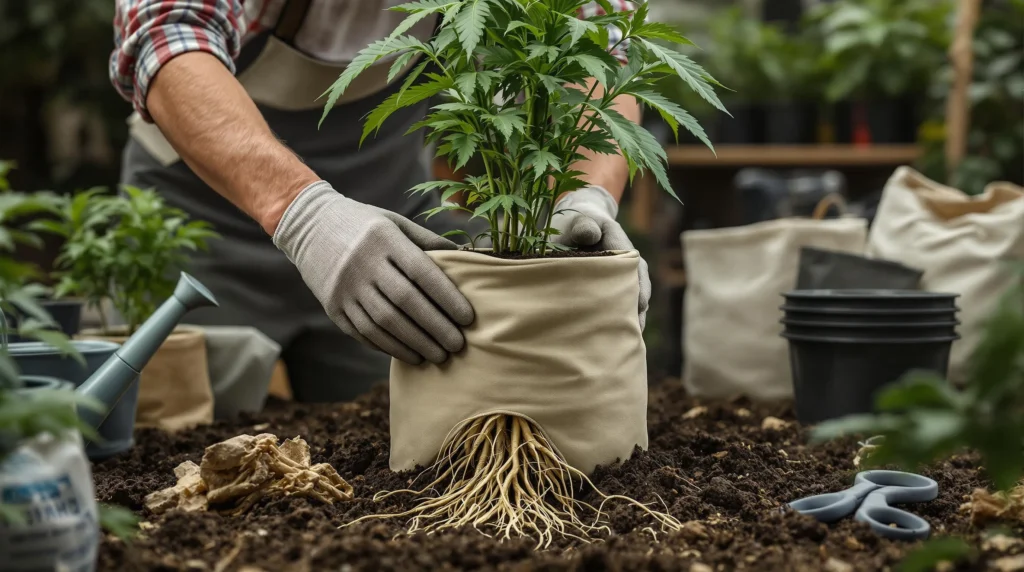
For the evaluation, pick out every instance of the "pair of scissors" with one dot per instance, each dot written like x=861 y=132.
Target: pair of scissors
x=869 y=498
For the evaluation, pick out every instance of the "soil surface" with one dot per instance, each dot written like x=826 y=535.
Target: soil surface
x=714 y=465
x=575 y=253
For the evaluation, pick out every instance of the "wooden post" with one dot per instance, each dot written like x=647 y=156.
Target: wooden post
x=958 y=106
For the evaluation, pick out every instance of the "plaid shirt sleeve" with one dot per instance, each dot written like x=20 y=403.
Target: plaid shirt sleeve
x=614 y=34
x=149 y=33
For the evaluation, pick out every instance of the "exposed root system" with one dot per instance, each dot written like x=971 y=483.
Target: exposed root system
x=500 y=475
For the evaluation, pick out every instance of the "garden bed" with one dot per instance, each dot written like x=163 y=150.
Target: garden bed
x=718 y=468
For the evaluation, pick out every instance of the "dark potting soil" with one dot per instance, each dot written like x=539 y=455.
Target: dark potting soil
x=719 y=469
x=555 y=254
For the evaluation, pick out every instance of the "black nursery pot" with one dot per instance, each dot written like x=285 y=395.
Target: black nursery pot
x=743 y=127
x=894 y=331
x=870 y=301
x=789 y=123
x=869 y=317
x=67 y=314
x=835 y=376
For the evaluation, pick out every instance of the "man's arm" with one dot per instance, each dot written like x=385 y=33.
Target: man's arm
x=214 y=125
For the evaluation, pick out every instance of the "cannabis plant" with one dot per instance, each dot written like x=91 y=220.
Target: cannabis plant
x=515 y=73
x=923 y=417
x=124 y=247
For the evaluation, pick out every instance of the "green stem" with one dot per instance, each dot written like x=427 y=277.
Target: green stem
x=491 y=217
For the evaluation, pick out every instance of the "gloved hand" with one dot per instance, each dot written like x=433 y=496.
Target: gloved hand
x=368 y=269
x=586 y=219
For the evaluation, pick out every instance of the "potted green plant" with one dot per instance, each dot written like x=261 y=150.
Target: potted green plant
x=881 y=55
x=790 y=66
x=735 y=58
x=128 y=248
x=48 y=512
x=552 y=381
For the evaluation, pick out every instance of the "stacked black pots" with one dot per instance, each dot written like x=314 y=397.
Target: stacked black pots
x=845 y=345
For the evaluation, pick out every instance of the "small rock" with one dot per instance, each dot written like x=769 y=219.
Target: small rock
x=196 y=564
x=1008 y=563
x=784 y=454
x=695 y=412
x=773 y=424
x=944 y=566
x=720 y=454
x=852 y=543
x=690 y=554
x=700 y=567
x=741 y=412
x=693 y=530
x=1000 y=543
x=836 y=565
x=260 y=427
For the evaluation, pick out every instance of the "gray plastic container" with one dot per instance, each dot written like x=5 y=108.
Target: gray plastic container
x=40 y=359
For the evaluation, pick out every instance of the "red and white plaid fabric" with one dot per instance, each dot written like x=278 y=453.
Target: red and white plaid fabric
x=148 y=33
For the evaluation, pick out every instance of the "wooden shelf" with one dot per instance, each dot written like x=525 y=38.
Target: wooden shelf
x=792 y=155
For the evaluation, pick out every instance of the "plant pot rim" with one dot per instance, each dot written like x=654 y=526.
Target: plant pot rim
x=480 y=256
x=120 y=332
x=845 y=310
x=862 y=325
x=41 y=382
x=867 y=294
x=45 y=349
x=868 y=341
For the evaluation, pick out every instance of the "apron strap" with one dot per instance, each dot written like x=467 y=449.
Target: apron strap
x=293 y=14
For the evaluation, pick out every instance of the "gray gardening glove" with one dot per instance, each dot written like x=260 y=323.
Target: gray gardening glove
x=368 y=269
x=586 y=220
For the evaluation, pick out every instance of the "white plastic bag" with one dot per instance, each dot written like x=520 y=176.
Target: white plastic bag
x=48 y=481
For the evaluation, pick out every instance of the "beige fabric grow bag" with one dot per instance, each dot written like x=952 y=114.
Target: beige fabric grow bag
x=555 y=340
x=962 y=243
x=735 y=280
x=174 y=388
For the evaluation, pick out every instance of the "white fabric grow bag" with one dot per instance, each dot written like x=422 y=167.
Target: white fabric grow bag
x=556 y=340
x=964 y=245
x=47 y=480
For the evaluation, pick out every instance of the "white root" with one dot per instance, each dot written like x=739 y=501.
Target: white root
x=501 y=476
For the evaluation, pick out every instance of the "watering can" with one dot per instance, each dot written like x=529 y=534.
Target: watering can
x=118 y=373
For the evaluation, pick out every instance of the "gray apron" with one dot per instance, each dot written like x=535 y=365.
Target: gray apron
x=254 y=282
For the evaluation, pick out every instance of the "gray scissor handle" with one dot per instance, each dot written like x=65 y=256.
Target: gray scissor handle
x=830 y=507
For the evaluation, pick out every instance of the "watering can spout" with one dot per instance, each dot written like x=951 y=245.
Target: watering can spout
x=116 y=376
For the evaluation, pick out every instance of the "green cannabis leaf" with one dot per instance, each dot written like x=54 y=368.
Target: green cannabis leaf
x=520 y=80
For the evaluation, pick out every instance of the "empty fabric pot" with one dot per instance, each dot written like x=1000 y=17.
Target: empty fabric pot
x=40 y=359
x=869 y=300
x=835 y=376
x=174 y=388
x=830 y=269
x=965 y=244
x=555 y=340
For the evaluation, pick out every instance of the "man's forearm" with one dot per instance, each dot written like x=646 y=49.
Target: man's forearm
x=211 y=121
x=609 y=171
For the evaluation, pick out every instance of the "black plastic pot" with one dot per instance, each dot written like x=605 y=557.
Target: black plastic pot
x=870 y=300
x=870 y=332
x=869 y=317
x=67 y=314
x=743 y=128
x=836 y=376
x=789 y=123
x=39 y=359
x=830 y=269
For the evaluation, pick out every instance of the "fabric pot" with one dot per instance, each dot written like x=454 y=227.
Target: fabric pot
x=241 y=363
x=40 y=359
x=48 y=480
x=555 y=340
x=828 y=269
x=735 y=277
x=964 y=244
x=174 y=387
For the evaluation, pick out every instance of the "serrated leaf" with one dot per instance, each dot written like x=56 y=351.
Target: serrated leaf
x=541 y=161
x=464 y=145
x=471 y=22
x=506 y=122
x=661 y=31
x=594 y=66
x=674 y=115
x=687 y=70
x=399 y=100
x=578 y=28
